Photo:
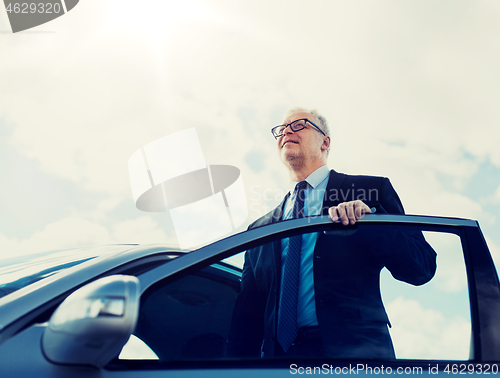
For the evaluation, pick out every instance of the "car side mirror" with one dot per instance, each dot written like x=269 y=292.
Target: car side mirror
x=91 y=326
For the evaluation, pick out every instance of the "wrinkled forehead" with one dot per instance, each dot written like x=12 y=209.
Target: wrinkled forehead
x=294 y=115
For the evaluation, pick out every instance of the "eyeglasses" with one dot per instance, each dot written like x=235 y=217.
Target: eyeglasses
x=294 y=126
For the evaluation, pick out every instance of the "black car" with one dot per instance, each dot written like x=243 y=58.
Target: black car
x=154 y=310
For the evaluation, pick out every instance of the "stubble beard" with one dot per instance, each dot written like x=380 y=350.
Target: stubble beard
x=294 y=161
x=297 y=160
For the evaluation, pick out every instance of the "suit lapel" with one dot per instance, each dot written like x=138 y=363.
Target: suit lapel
x=278 y=211
x=332 y=192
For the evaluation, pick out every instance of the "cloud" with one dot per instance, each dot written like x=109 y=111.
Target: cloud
x=451 y=275
x=425 y=333
x=124 y=92
x=496 y=197
x=494 y=249
x=139 y=230
x=409 y=93
x=77 y=232
x=115 y=102
x=65 y=233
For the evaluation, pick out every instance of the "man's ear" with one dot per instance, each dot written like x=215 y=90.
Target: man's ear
x=326 y=143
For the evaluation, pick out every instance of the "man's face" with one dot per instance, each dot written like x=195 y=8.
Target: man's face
x=303 y=145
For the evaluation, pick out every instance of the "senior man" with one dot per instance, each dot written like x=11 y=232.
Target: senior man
x=304 y=296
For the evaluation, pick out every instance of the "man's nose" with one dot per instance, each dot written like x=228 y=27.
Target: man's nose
x=288 y=130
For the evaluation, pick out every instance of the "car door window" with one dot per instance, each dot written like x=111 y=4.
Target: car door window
x=432 y=321
x=197 y=314
x=190 y=317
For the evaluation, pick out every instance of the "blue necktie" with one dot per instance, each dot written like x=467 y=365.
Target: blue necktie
x=287 y=322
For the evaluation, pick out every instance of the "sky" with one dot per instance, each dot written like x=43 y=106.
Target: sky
x=410 y=91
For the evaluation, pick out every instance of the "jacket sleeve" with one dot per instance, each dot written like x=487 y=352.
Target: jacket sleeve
x=389 y=199
x=405 y=253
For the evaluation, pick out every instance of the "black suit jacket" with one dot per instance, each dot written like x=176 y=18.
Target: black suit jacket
x=349 y=308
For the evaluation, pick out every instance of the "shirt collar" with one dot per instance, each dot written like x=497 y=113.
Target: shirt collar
x=314 y=179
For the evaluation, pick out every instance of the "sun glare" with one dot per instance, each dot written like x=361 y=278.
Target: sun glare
x=159 y=20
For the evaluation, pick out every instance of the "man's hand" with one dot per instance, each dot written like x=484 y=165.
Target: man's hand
x=348 y=212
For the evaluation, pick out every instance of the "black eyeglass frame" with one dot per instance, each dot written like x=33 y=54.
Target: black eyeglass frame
x=294 y=130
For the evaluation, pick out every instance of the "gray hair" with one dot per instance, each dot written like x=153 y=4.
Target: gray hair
x=321 y=120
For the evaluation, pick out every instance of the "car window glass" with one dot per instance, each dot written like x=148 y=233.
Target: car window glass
x=432 y=321
x=190 y=317
x=204 y=314
x=136 y=349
